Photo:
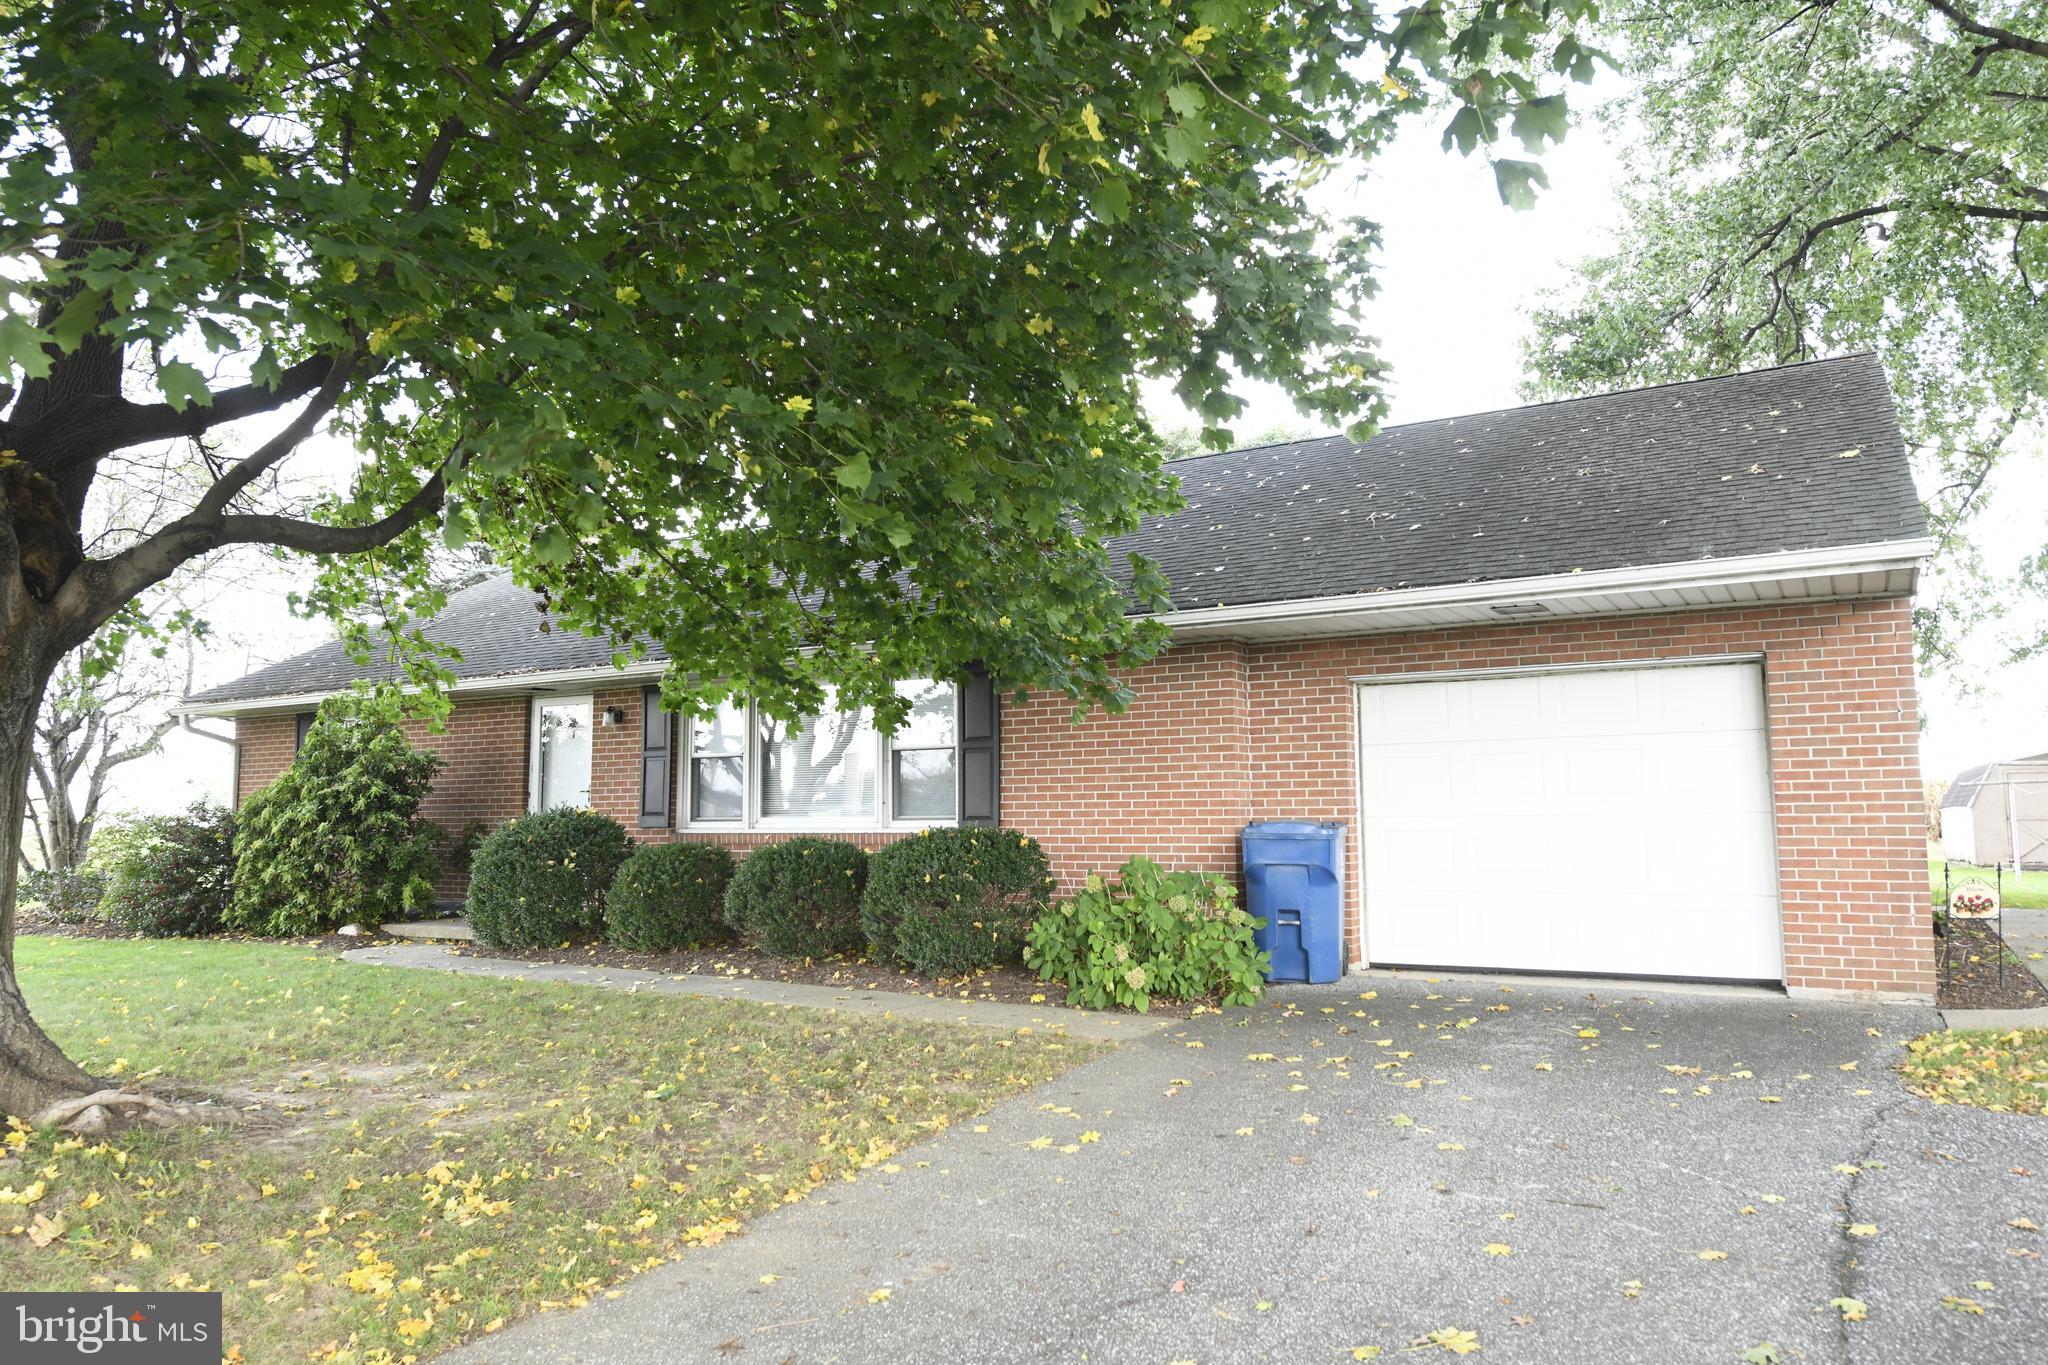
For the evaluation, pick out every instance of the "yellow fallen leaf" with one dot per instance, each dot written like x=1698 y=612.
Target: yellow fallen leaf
x=1853 y=1310
x=879 y=1295
x=1862 y=1229
x=1713 y=1255
x=1499 y=1249
x=770 y=1279
x=1456 y=1340
x=1365 y=1353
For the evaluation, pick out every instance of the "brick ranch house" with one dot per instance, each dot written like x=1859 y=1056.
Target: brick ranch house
x=1616 y=685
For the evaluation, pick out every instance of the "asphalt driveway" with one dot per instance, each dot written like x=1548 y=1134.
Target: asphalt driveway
x=1571 y=1176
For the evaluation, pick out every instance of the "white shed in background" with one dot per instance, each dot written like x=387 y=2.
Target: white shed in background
x=1995 y=812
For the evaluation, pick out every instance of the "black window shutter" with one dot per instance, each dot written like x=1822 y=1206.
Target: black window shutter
x=657 y=760
x=301 y=723
x=980 y=756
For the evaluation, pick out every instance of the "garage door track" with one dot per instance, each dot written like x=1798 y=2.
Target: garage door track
x=1595 y=1175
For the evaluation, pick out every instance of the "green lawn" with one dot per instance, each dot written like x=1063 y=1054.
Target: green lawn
x=2005 y=1071
x=421 y=1157
x=2027 y=891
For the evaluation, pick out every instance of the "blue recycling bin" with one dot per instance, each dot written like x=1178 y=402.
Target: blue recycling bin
x=1294 y=881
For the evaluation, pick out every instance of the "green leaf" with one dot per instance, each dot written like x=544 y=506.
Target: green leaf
x=21 y=343
x=855 y=473
x=1183 y=143
x=1467 y=131
x=1112 y=200
x=1186 y=100
x=1518 y=182
x=78 y=318
x=1541 y=119
x=182 y=384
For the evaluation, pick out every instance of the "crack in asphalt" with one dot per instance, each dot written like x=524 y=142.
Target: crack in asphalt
x=1848 y=1264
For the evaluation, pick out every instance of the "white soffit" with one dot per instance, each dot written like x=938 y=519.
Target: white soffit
x=1889 y=569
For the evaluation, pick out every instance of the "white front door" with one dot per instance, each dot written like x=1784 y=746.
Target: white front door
x=1610 y=821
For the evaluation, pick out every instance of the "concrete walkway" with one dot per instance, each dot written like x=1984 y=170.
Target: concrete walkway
x=935 y=1009
x=1575 y=1176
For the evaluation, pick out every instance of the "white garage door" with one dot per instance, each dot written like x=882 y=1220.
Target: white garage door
x=1605 y=821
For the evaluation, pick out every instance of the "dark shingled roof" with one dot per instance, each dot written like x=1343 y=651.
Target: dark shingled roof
x=1713 y=469
x=1793 y=458
x=1964 y=789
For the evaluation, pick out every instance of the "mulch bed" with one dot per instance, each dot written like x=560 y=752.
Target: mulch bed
x=1006 y=985
x=1971 y=980
x=33 y=920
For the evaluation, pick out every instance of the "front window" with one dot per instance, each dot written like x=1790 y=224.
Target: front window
x=718 y=757
x=922 y=754
x=832 y=771
x=819 y=768
x=561 y=752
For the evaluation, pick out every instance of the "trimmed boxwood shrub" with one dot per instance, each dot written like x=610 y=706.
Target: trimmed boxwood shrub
x=173 y=876
x=951 y=901
x=542 y=878
x=669 y=896
x=800 y=898
x=338 y=837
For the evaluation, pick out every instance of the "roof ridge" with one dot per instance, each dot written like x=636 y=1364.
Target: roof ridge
x=1541 y=403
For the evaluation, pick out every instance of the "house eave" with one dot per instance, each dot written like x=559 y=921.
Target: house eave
x=1836 y=573
x=1884 y=569
x=489 y=685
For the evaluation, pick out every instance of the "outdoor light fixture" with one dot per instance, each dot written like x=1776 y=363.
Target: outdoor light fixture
x=1520 y=609
x=613 y=715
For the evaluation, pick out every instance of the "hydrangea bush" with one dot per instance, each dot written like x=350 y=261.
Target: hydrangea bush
x=1150 y=933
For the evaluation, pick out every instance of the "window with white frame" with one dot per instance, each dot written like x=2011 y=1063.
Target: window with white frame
x=831 y=771
x=923 y=783
x=820 y=768
x=718 y=766
x=561 y=752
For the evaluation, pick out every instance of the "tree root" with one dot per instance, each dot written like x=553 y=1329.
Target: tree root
x=109 y=1111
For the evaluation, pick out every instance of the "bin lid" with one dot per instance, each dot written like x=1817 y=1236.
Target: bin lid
x=1293 y=829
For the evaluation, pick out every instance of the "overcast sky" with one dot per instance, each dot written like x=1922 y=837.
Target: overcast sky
x=1458 y=273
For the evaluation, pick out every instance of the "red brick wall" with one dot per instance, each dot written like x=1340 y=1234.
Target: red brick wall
x=1219 y=734
x=1164 y=779
x=1170 y=778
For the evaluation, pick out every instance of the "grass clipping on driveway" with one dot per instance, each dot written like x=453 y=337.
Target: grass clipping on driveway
x=2004 y=1070
x=418 y=1158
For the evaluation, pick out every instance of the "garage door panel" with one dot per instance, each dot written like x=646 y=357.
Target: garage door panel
x=1613 y=821
x=1612 y=938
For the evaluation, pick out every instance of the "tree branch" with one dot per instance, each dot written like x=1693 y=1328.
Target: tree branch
x=88 y=427
x=312 y=537
x=250 y=467
x=2000 y=39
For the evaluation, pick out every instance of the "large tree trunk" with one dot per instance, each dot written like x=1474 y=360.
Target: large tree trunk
x=34 y=1072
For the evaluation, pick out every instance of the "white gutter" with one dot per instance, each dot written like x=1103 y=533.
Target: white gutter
x=493 y=684
x=1879 y=557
